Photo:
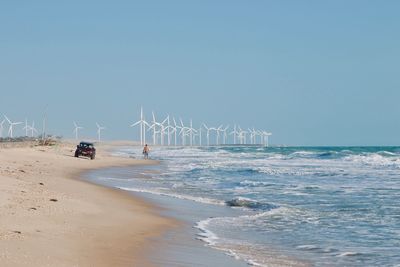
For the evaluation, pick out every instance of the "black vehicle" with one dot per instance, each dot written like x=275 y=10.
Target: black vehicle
x=85 y=149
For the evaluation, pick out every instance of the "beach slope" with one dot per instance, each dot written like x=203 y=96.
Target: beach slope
x=49 y=217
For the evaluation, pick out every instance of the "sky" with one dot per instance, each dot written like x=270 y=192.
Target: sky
x=311 y=72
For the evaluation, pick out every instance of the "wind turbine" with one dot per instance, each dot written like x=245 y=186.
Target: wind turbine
x=225 y=135
x=1 y=128
x=253 y=135
x=32 y=128
x=235 y=133
x=176 y=127
x=242 y=136
x=99 y=128
x=266 y=137
x=76 y=130
x=12 y=124
x=191 y=132
x=26 y=128
x=173 y=131
x=183 y=132
x=153 y=126
x=261 y=135
x=200 y=130
x=142 y=124
x=168 y=128
x=208 y=134
x=163 y=128
x=218 y=130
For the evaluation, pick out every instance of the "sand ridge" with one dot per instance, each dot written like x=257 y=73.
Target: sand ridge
x=49 y=217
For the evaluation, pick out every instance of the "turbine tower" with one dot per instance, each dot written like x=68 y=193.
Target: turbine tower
x=200 y=130
x=235 y=134
x=99 y=129
x=32 y=128
x=163 y=128
x=176 y=127
x=266 y=138
x=224 y=136
x=26 y=128
x=168 y=128
x=142 y=124
x=183 y=132
x=153 y=126
x=192 y=132
x=208 y=133
x=12 y=124
x=76 y=130
x=2 y=127
x=218 y=130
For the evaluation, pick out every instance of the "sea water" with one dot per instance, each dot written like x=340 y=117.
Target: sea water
x=329 y=206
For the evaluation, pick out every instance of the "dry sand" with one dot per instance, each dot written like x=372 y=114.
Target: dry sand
x=48 y=217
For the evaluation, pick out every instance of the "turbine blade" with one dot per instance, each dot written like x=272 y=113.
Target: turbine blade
x=136 y=123
x=7 y=119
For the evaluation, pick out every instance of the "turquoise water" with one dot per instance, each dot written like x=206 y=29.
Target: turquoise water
x=331 y=206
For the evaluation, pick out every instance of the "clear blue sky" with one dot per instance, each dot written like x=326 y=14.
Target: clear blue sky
x=311 y=72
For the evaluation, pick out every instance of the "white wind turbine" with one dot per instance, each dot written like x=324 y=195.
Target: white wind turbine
x=235 y=134
x=199 y=131
x=163 y=128
x=12 y=124
x=168 y=128
x=261 y=135
x=183 y=132
x=258 y=133
x=173 y=131
x=253 y=135
x=266 y=138
x=191 y=132
x=242 y=136
x=224 y=136
x=218 y=130
x=153 y=126
x=32 y=128
x=26 y=128
x=76 y=130
x=142 y=124
x=99 y=129
x=176 y=127
x=2 y=128
x=208 y=133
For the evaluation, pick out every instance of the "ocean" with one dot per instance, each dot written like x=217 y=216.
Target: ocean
x=286 y=206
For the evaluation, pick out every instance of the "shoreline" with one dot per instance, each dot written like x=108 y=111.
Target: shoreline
x=52 y=216
x=195 y=243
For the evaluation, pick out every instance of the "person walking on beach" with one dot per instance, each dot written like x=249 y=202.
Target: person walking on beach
x=146 y=151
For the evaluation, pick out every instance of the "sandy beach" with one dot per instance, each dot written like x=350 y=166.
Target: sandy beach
x=49 y=217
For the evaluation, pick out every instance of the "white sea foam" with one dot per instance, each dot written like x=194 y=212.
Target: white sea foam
x=212 y=240
x=206 y=235
x=374 y=160
x=159 y=191
x=349 y=254
x=254 y=183
x=252 y=254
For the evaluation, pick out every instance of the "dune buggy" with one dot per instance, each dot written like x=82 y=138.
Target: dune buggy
x=85 y=149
